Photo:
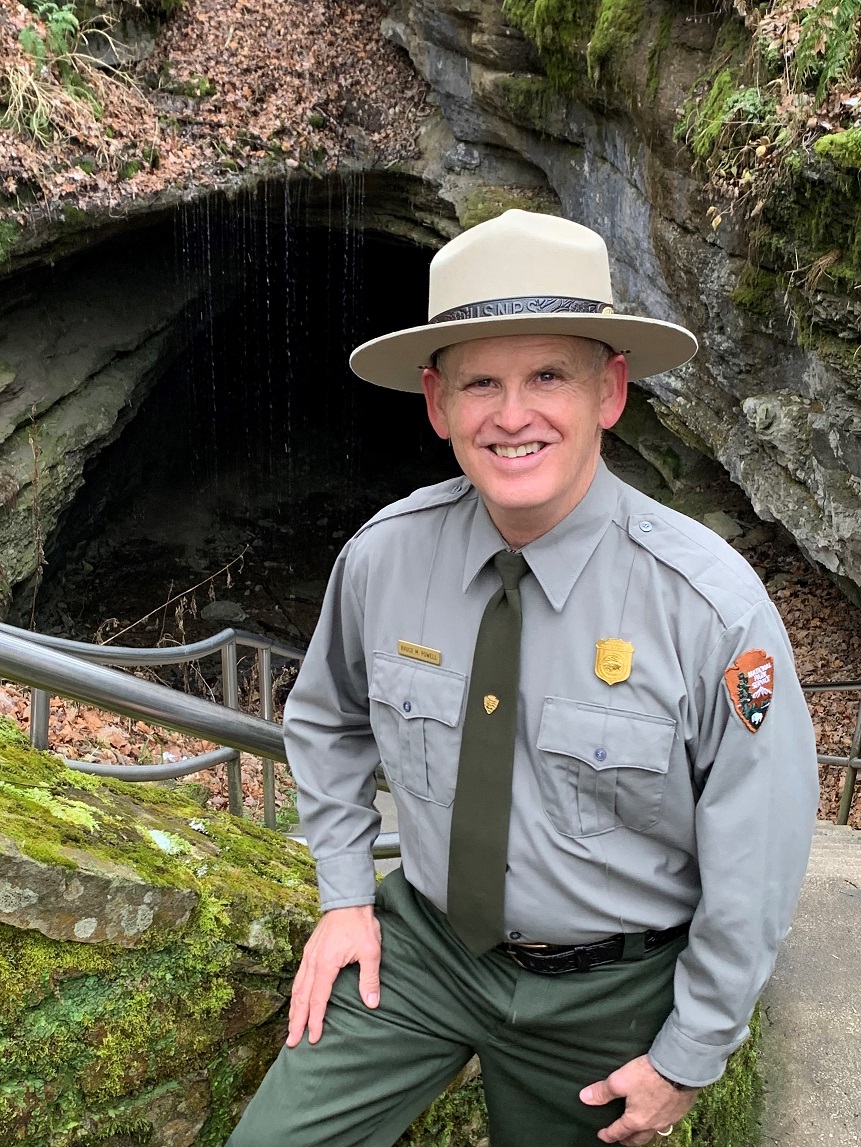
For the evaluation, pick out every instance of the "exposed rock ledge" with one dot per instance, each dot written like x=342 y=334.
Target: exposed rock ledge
x=784 y=420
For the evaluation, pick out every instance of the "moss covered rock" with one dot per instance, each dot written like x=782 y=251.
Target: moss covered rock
x=147 y=948
x=147 y=951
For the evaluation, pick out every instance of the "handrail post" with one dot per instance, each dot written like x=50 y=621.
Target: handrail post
x=264 y=681
x=40 y=712
x=230 y=690
x=851 y=774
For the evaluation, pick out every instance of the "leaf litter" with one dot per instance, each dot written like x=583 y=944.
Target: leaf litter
x=229 y=89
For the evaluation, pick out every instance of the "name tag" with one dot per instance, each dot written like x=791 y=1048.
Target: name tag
x=419 y=652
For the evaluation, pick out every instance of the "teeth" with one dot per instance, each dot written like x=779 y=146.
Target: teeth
x=516 y=451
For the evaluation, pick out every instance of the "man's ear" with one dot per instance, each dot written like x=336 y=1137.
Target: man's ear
x=433 y=389
x=614 y=390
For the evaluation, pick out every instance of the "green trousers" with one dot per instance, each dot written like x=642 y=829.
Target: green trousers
x=540 y=1039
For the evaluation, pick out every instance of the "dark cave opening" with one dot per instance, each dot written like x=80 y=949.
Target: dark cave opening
x=257 y=446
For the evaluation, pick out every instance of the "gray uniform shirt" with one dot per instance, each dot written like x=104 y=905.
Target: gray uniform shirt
x=639 y=804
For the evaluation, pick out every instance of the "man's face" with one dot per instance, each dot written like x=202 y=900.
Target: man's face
x=524 y=414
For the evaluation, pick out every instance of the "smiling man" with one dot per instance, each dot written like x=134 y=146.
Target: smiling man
x=587 y=712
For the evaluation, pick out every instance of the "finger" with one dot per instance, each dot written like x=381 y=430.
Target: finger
x=597 y=1093
x=369 y=978
x=621 y=1130
x=299 y=998
x=320 y=993
x=298 y=1020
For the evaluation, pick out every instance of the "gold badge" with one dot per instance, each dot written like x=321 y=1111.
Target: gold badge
x=613 y=660
x=419 y=652
x=608 y=310
x=491 y=703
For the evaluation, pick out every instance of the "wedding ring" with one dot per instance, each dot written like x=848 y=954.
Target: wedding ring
x=668 y=1131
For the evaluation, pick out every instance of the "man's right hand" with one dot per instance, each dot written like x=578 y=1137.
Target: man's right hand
x=344 y=936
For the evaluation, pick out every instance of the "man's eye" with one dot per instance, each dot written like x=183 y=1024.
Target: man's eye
x=547 y=376
x=481 y=383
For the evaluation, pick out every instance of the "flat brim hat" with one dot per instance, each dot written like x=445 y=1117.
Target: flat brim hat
x=521 y=274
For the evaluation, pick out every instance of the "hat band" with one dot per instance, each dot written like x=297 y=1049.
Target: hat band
x=523 y=305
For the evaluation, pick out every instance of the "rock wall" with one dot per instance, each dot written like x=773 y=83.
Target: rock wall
x=783 y=418
x=772 y=395
x=79 y=351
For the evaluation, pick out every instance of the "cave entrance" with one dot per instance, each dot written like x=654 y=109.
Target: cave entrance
x=257 y=448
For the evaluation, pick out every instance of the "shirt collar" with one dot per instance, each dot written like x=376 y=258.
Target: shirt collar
x=558 y=557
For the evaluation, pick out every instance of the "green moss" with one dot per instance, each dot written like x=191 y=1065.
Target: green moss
x=616 y=26
x=816 y=216
x=196 y=88
x=129 y=169
x=457 y=1119
x=560 y=29
x=74 y=217
x=656 y=53
x=9 y=235
x=49 y=811
x=92 y=1034
x=710 y=117
x=843 y=148
x=755 y=290
x=727 y=1113
x=487 y=202
x=527 y=100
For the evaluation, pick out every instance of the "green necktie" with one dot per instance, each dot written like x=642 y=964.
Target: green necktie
x=482 y=799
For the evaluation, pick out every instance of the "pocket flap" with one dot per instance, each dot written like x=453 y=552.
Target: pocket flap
x=606 y=738
x=417 y=690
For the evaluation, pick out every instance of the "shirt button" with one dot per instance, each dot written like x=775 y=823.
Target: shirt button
x=407 y=706
x=646 y=527
x=514 y=935
x=600 y=754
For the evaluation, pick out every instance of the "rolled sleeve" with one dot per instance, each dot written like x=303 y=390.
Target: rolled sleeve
x=754 y=822
x=332 y=751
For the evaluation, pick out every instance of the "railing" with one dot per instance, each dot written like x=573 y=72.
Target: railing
x=81 y=672
x=852 y=763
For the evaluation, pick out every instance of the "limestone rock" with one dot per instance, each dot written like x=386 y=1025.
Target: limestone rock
x=784 y=420
x=147 y=947
x=229 y=611
x=723 y=525
x=97 y=900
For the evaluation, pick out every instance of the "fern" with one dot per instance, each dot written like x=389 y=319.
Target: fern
x=815 y=46
x=61 y=25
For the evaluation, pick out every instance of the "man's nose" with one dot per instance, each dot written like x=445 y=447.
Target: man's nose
x=513 y=412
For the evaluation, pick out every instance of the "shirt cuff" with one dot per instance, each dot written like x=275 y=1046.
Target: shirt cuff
x=686 y=1060
x=347 y=880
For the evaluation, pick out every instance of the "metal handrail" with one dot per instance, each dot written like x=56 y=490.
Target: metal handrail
x=852 y=763
x=48 y=670
x=154 y=655
x=225 y=643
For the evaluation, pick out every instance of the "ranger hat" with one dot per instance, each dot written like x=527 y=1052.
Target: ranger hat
x=521 y=274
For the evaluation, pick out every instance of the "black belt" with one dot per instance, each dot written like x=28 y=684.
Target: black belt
x=555 y=959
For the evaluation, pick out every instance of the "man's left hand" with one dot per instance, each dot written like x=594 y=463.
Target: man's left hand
x=651 y=1104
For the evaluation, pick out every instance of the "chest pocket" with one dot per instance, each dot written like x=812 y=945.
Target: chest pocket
x=602 y=767
x=416 y=716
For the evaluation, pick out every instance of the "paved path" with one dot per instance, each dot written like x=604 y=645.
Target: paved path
x=812 y=1031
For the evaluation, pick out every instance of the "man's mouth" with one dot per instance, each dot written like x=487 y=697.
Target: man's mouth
x=517 y=451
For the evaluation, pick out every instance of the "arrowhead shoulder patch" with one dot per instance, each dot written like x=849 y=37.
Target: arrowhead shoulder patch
x=750 y=681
